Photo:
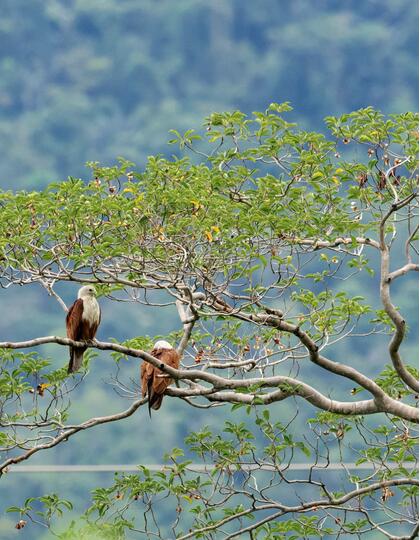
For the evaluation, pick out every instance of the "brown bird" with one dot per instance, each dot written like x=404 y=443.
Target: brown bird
x=82 y=322
x=152 y=382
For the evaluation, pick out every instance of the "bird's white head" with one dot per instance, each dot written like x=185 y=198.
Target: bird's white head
x=87 y=290
x=162 y=345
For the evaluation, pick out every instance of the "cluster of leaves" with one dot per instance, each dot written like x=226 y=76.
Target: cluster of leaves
x=230 y=218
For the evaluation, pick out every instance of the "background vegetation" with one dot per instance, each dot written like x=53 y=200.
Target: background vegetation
x=89 y=80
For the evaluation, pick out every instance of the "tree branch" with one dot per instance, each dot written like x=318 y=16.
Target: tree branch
x=389 y=307
x=334 y=367
x=189 y=316
x=322 y=244
x=71 y=431
x=402 y=271
x=304 y=507
x=289 y=386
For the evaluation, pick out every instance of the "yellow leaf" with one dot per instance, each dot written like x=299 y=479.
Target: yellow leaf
x=209 y=236
x=128 y=190
x=317 y=174
x=339 y=171
x=187 y=498
x=215 y=229
x=41 y=388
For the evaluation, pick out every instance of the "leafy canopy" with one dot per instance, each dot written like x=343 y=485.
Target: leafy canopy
x=264 y=237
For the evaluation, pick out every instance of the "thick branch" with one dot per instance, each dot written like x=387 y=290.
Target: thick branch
x=296 y=388
x=286 y=385
x=389 y=307
x=322 y=244
x=188 y=316
x=334 y=367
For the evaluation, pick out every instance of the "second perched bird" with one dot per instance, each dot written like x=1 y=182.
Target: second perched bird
x=82 y=322
x=153 y=380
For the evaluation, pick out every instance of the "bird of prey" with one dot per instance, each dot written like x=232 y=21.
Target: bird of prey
x=82 y=322
x=152 y=382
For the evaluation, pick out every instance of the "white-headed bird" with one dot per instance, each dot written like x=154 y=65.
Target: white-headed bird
x=82 y=323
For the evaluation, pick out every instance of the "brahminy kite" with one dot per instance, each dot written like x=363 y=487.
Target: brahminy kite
x=82 y=322
x=153 y=380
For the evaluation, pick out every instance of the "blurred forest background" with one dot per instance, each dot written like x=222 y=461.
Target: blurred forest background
x=90 y=80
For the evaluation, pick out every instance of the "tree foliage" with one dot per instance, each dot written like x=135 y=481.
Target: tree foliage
x=279 y=248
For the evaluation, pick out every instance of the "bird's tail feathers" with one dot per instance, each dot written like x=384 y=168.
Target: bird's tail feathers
x=150 y=395
x=76 y=359
x=155 y=400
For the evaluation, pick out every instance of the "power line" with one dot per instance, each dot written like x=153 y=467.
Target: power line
x=195 y=467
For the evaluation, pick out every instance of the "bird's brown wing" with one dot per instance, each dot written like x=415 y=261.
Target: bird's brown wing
x=152 y=382
x=74 y=320
x=158 y=383
x=146 y=374
x=171 y=358
x=74 y=329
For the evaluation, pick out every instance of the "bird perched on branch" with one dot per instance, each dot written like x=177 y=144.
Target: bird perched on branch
x=82 y=322
x=153 y=380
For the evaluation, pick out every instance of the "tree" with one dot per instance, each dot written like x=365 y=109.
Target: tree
x=278 y=253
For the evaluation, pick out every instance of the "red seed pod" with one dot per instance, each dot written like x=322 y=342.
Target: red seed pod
x=362 y=179
x=199 y=356
x=381 y=181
